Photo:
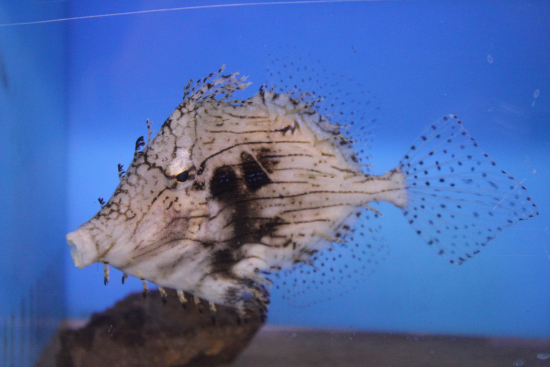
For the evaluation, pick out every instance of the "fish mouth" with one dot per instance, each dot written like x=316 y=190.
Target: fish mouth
x=83 y=250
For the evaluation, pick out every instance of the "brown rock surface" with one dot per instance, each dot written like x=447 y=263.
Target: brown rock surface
x=145 y=332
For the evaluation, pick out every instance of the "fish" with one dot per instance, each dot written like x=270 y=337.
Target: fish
x=230 y=192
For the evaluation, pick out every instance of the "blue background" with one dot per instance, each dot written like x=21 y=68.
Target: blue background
x=423 y=60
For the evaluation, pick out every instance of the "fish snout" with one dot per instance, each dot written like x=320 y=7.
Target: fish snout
x=82 y=247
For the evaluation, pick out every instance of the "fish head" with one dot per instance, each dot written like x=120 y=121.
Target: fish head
x=157 y=202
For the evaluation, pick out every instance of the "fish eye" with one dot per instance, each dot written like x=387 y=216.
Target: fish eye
x=183 y=176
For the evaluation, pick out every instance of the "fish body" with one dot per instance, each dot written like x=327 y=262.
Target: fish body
x=229 y=191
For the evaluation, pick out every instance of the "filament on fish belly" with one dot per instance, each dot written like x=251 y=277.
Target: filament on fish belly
x=106 y=273
x=163 y=294
x=145 y=287
x=212 y=307
x=181 y=297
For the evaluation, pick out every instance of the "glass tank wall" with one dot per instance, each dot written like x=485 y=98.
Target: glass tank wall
x=33 y=188
x=93 y=81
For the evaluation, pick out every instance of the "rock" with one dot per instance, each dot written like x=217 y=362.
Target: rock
x=145 y=332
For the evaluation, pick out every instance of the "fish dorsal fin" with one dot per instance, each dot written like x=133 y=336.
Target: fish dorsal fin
x=346 y=103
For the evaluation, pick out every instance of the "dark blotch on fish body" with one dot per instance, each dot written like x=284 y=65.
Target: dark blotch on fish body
x=254 y=175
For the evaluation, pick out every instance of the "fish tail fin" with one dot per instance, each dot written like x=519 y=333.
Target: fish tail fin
x=458 y=198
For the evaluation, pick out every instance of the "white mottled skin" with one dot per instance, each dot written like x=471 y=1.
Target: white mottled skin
x=230 y=190
x=166 y=232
